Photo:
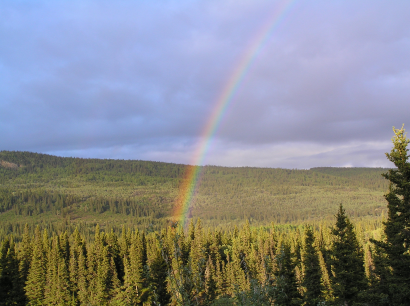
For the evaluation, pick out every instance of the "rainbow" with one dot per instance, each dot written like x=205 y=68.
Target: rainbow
x=192 y=174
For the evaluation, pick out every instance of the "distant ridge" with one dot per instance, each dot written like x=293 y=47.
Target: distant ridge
x=38 y=187
x=13 y=159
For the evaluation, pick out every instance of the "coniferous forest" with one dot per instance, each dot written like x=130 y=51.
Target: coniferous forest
x=100 y=232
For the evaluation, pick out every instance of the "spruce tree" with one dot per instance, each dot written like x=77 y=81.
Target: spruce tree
x=57 y=290
x=11 y=291
x=327 y=292
x=210 y=284
x=393 y=263
x=286 y=281
x=36 y=279
x=347 y=261
x=24 y=256
x=82 y=274
x=158 y=277
x=134 y=291
x=312 y=278
x=197 y=261
x=220 y=278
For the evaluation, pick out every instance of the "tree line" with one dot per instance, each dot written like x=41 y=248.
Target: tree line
x=247 y=266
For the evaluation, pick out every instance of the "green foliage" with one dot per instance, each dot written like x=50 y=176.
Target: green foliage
x=246 y=266
x=36 y=279
x=392 y=266
x=347 y=261
x=286 y=274
x=11 y=290
x=137 y=259
x=312 y=278
x=46 y=190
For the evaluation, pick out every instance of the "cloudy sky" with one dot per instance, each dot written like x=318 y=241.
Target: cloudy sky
x=139 y=79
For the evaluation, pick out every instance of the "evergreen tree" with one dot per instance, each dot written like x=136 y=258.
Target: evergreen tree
x=24 y=257
x=327 y=293
x=286 y=277
x=11 y=291
x=312 y=278
x=57 y=290
x=158 y=273
x=198 y=261
x=134 y=290
x=82 y=275
x=210 y=284
x=379 y=274
x=220 y=278
x=75 y=249
x=347 y=261
x=36 y=279
x=393 y=266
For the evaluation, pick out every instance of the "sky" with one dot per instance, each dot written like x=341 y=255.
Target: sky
x=139 y=79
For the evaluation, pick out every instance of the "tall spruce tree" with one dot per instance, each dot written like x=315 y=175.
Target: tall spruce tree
x=393 y=264
x=11 y=291
x=24 y=255
x=347 y=261
x=286 y=281
x=312 y=278
x=36 y=279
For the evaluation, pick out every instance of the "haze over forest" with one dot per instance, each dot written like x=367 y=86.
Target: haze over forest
x=140 y=80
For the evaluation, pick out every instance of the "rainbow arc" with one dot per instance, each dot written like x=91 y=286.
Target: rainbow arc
x=192 y=174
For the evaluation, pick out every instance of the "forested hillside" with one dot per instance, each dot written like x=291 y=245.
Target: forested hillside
x=44 y=189
x=60 y=256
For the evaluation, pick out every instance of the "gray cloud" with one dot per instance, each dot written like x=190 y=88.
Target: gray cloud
x=139 y=79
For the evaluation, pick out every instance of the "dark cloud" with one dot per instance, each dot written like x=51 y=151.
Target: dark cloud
x=139 y=79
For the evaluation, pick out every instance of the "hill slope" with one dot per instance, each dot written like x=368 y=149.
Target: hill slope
x=40 y=188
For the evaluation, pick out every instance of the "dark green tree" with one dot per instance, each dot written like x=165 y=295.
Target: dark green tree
x=134 y=291
x=24 y=256
x=393 y=266
x=57 y=288
x=347 y=260
x=210 y=284
x=36 y=279
x=158 y=278
x=312 y=278
x=286 y=281
x=11 y=290
x=82 y=274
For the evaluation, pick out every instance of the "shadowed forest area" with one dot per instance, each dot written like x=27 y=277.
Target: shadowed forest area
x=100 y=232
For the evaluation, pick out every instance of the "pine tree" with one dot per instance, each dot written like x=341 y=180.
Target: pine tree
x=25 y=254
x=197 y=261
x=379 y=273
x=286 y=277
x=75 y=249
x=57 y=290
x=220 y=278
x=393 y=266
x=312 y=278
x=327 y=292
x=36 y=279
x=347 y=261
x=11 y=291
x=158 y=272
x=82 y=283
x=210 y=284
x=134 y=290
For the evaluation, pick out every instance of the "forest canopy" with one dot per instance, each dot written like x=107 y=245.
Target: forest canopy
x=53 y=250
